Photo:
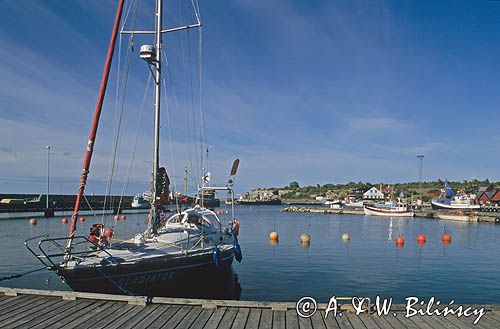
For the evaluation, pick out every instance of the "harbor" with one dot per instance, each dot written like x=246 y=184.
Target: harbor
x=249 y=165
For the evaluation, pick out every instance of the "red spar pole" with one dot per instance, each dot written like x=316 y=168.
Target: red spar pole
x=95 y=123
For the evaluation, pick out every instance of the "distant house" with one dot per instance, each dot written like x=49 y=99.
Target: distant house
x=354 y=195
x=483 y=190
x=434 y=193
x=389 y=189
x=373 y=194
x=495 y=199
x=488 y=195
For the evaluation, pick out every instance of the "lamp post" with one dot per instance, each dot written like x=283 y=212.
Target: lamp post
x=48 y=176
x=420 y=158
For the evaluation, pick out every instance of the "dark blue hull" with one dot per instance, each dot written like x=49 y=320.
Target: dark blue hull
x=195 y=277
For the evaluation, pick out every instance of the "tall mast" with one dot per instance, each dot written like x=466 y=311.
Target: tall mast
x=95 y=124
x=156 y=152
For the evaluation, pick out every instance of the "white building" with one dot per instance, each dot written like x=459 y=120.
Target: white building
x=373 y=194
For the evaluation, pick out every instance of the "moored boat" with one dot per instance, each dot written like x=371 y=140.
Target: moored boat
x=460 y=215
x=388 y=211
x=182 y=256
x=454 y=201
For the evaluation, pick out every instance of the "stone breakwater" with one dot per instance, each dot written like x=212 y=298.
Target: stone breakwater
x=426 y=213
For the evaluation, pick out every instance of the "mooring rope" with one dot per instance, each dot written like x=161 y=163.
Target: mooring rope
x=15 y=276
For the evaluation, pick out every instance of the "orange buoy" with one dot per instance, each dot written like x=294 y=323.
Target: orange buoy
x=421 y=238
x=82 y=219
x=64 y=220
x=274 y=236
x=108 y=232
x=273 y=242
x=446 y=238
x=400 y=241
x=33 y=221
x=117 y=217
x=124 y=217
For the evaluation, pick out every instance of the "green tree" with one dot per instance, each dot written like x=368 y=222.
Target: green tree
x=294 y=185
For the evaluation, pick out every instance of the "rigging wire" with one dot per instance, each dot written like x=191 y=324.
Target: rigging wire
x=120 y=106
x=167 y=112
x=134 y=149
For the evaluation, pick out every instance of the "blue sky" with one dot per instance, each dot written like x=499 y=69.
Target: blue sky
x=313 y=91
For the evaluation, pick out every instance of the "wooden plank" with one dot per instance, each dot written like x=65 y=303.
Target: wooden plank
x=214 y=320
x=460 y=324
x=253 y=319
x=188 y=320
x=417 y=320
x=10 y=299
x=354 y=320
x=16 y=302
x=174 y=320
x=279 y=320
x=227 y=320
x=55 y=315
x=75 y=315
x=369 y=322
x=317 y=321
x=25 y=311
x=157 y=314
x=343 y=321
x=115 y=316
x=23 y=319
x=485 y=321
x=493 y=316
x=397 y=320
x=382 y=322
x=118 y=322
x=241 y=318
x=165 y=316
x=432 y=321
x=22 y=308
x=142 y=314
x=99 y=312
x=47 y=313
x=108 y=314
x=202 y=319
x=305 y=323
x=468 y=322
x=292 y=321
x=330 y=321
x=266 y=319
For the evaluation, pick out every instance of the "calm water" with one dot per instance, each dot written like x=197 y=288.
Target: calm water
x=467 y=271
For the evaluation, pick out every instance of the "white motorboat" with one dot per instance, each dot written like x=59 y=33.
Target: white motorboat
x=388 y=210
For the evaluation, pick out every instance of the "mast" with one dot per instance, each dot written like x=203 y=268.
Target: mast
x=95 y=123
x=156 y=146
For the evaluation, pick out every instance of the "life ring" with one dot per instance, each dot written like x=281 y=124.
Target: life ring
x=341 y=212
x=497 y=220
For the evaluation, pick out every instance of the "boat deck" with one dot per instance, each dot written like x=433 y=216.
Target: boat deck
x=26 y=308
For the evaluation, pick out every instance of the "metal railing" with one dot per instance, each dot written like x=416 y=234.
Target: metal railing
x=55 y=260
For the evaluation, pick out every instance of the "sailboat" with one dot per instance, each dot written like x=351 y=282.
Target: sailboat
x=176 y=256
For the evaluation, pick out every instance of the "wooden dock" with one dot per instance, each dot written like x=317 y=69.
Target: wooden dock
x=27 y=308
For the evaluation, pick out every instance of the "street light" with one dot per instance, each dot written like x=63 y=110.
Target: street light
x=420 y=158
x=48 y=176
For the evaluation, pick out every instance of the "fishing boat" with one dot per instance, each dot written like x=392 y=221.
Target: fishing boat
x=454 y=201
x=460 y=215
x=388 y=210
x=182 y=255
x=141 y=201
